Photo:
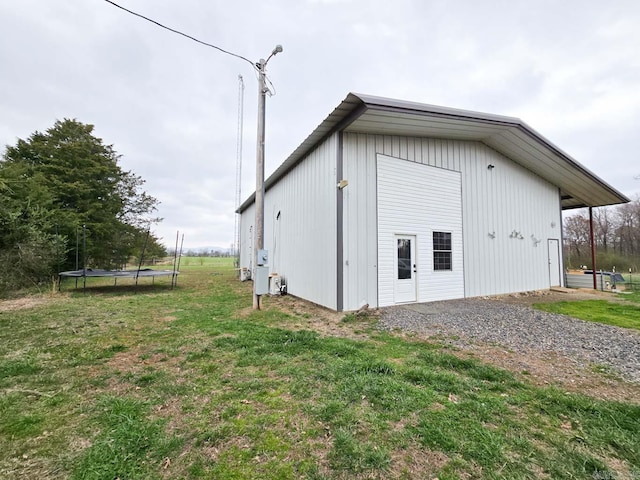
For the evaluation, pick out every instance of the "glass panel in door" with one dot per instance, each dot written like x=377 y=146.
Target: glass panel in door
x=404 y=258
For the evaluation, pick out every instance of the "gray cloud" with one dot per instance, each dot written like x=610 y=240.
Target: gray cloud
x=169 y=105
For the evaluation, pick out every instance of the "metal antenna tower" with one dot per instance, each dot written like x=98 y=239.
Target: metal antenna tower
x=236 y=241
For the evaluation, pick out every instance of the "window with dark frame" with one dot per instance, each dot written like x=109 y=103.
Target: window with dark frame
x=442 y=251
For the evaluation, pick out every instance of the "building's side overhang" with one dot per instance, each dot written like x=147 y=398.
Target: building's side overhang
x=510 y=136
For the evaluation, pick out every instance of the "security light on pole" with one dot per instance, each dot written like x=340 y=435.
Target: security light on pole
x=259 y=231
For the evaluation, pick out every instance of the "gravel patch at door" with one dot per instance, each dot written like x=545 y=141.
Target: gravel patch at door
x=520 y=328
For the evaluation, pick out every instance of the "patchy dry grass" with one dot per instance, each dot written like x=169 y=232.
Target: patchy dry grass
x=191 y=383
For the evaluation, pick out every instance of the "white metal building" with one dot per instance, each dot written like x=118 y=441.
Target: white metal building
x=391 y=202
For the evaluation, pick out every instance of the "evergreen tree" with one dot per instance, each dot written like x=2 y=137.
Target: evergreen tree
x=54 y=183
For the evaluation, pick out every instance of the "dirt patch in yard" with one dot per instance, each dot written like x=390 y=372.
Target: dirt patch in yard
x=552 y=369
x=556 y=295
x=546 y=369
x=25 y=302
x=307 y=315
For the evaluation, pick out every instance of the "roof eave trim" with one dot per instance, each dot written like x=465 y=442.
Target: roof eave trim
x=573 y=163
x=375 y=103
x=358 y=109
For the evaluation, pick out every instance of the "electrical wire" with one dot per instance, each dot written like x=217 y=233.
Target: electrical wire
x=183 y=34
x=271 y=91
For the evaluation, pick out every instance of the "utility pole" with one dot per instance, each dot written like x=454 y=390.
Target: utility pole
x=259 y=232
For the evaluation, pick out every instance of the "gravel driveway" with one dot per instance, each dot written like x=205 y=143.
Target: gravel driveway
x=520 y=328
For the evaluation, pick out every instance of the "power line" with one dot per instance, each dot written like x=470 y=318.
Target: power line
x=181 y=33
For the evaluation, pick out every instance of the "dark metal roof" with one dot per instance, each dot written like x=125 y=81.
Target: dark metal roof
x=508 y=135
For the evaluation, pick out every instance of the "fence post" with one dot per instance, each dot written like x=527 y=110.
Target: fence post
x=601 y=281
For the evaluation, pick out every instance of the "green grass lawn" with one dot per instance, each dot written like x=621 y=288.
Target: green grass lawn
x=621 y=314
x=631 y=296
x=191 y=383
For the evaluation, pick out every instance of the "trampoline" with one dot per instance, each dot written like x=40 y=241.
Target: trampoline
x=97 y=272
x=85 y=273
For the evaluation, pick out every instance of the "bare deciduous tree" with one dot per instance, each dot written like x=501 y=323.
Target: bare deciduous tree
x=616 y=232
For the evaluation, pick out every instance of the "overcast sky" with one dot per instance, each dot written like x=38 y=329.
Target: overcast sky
x=570 y=69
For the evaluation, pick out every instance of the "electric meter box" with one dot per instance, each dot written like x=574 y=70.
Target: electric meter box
x=263 y=257
x=262 y=280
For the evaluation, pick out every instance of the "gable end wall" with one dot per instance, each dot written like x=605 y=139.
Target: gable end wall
x=496 y=202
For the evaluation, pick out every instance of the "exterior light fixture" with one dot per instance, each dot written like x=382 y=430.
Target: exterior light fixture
x=262 y=90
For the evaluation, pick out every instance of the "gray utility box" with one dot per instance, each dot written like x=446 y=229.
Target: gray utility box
x=262 y=280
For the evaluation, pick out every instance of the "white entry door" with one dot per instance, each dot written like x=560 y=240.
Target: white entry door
x=554 y=262
x=406 y=271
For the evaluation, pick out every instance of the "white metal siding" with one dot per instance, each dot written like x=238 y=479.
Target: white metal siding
x=508 y=215
x=360 y=270
x=500 y=200
x=418 y=200
x=300 y=226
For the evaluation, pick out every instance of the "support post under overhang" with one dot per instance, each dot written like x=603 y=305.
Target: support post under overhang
x=593 y=249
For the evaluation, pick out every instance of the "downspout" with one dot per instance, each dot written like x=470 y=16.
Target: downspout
x=593 y=249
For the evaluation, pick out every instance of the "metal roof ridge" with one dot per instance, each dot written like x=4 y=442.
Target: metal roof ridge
x=347 y=111
x=373 y=100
